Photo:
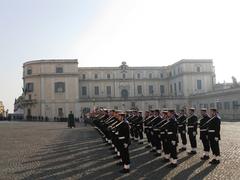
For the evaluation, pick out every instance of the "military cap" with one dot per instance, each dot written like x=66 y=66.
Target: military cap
x=171 y=110
x=165 y=111
x=213 y=109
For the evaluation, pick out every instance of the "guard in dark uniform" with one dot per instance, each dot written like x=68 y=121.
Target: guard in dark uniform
x=148 y=118
x=140 y=127
x=124 y=139
x=172 y=136
x=164 y=136
x=71 y=120
x=154 y=139
x=214 y=135
x=203 y=125
x=181 y=121
x=192 y=122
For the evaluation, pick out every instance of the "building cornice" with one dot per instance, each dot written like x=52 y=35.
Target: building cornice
x=51 y=61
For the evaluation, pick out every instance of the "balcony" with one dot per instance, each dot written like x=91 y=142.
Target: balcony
x=136 y=98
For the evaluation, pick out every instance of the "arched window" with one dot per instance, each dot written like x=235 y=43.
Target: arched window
x=198 y=69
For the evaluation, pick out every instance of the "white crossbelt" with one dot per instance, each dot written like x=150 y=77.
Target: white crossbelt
x=121 y=137
x=203 y=129
x=211 y=130
x=170 y=132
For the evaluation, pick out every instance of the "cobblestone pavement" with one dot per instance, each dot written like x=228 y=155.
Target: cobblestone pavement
x=47 y=150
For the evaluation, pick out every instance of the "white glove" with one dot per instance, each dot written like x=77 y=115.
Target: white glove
x=125 y=145
x=216 y=138
x=194 y=133
x=173 y=143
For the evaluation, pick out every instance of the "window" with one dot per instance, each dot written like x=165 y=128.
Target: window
x=235 y=104
x=95 y=76
x=150 y=76
x=179 y=86
x=84 y=91
x=29 y=97
x=170 y=74
x=212 y=105
x=175 y=89
x=133 y=104
x=109 y=91
x=138 y=76
x=96 y=90
x=198 y=69
x=174 y=72
x=179 y=71
x=29 y=71
x=108 y=76
x=205 y=106
x=162 y=90
x=59 y=87
x=29 y=87
x=161 y=75
x=171 y=89
x=150 y=89
x=84 y=76
x=199 y=84
x=226 y=105
x=219 y=105
x=59 y=69
x=139 y=89
x=124 y=76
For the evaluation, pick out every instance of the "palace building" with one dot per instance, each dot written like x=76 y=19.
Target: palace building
x=54 y=87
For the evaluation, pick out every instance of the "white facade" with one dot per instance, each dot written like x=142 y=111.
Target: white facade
x=55 y=87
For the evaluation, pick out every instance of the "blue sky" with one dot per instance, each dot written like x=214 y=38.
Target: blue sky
x=106 y=32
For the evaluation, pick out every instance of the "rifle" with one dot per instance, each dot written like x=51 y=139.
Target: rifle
x=114 y=127
x=207 y=122
x=147 y=119
x=153 y=120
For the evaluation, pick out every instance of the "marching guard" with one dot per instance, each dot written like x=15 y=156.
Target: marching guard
x=181 y=121
x=172 y=137
x=214 y=135
x=192 y=122
x=204 y=133
x=124 y=141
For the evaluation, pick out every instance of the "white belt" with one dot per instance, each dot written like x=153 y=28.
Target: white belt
x=190 y=126
x=203 y=129
x=156 y=130
x=170 y=132
x=211 y=130
x=162 y=132
x=121 y=137
x=180 y=125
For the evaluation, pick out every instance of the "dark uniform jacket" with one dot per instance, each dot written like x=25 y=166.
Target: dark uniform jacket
x=123 y=133
x=204 y=126
x=171 y=130
x=181 y=121
x=214 y=128
x=192 y=122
